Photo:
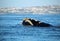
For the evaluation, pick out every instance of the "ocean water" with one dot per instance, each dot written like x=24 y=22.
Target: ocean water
x=11 y=28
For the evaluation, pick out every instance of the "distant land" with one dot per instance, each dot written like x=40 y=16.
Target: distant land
x=33 y=9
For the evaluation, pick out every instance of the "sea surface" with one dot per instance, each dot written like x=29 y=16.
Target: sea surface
x=11 y=28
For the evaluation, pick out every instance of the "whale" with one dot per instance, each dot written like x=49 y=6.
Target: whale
x=32 y=22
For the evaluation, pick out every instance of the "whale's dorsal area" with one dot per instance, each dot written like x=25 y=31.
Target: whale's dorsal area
x=32 y=22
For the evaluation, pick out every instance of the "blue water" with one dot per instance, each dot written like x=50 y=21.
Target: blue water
x=11 y=28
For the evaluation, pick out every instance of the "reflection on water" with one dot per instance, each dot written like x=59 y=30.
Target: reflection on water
x=11 y=28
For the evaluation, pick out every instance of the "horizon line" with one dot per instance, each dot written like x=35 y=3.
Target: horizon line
x=27 y=6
